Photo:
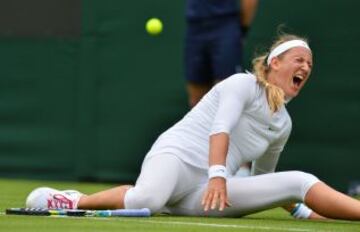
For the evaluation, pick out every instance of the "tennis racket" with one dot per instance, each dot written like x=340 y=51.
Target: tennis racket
x=145 y=212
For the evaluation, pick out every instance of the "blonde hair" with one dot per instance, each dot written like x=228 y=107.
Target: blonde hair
x=275 y=95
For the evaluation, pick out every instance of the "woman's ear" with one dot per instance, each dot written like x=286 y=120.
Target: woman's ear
x=275 y=63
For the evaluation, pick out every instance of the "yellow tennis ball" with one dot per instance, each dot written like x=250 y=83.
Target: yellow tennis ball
x=154 y=26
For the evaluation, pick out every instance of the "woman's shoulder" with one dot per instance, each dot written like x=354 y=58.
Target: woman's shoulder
x=242 y=85
x=239 y=81
x=244 y=81
x=242 y=78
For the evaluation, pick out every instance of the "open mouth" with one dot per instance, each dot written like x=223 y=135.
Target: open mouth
x=297 y=79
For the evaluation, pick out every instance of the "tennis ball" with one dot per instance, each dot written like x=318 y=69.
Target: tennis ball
x=154 y=26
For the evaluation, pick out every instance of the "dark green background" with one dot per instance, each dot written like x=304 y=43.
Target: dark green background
x=88 y=106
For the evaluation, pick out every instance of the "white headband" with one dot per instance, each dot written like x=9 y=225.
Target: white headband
x=286 y=46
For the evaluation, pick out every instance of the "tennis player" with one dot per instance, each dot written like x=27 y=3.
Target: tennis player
x=189 y=169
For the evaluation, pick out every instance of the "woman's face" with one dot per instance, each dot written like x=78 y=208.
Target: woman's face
x=291 y=70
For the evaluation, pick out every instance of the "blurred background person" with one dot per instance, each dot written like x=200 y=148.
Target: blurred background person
x=215 y=32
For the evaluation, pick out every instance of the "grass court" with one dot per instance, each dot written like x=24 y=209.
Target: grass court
x=14 y=192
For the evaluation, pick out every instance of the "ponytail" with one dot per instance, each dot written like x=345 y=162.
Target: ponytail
x=274 y=94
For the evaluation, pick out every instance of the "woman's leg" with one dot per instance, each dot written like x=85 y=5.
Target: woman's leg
x=162 y=183
x=158 y=182
x=332 y=204
x=158 y=179
x=252 y=194
x=107 y=199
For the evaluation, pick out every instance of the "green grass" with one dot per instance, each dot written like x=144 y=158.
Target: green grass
x=14 y=192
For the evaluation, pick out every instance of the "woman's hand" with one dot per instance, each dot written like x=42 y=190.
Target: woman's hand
x=215 y=195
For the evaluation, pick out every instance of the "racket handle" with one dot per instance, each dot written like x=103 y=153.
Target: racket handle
x=145 y=212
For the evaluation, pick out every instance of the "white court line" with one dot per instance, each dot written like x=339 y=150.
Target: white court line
x=200 y=224
x=232 y=226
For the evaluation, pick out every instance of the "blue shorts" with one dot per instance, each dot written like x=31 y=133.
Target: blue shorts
x=213 y=49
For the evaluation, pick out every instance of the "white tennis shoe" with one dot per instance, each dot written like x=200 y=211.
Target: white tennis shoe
x=50 y=198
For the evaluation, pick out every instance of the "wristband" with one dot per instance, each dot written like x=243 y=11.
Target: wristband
x=217 y=171
x=301 y=211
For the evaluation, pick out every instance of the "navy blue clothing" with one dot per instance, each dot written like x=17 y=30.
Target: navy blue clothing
x=213 y=40
x=202 y=9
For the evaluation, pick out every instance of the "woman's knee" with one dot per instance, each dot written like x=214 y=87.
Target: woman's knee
x=303 y=181
x=135 y=199
x=302 y=176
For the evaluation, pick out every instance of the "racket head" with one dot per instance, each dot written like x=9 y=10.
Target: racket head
x=45 y=212
x=28 y=211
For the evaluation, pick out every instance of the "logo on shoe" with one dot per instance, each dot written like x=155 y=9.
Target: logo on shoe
x=59 y=201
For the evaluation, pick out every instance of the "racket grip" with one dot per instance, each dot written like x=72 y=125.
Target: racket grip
x=145 y=212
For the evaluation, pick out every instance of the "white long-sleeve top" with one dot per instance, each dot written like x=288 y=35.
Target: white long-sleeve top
x=237 y=106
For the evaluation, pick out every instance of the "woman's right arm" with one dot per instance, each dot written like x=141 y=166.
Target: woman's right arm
x=216 y=194
x=234 y=94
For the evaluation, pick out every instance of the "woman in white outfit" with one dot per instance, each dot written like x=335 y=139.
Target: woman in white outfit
x=190 y=168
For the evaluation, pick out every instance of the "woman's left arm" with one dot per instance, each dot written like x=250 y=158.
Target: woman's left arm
x=301 y=211
x=267 y=164
x=268 y=161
